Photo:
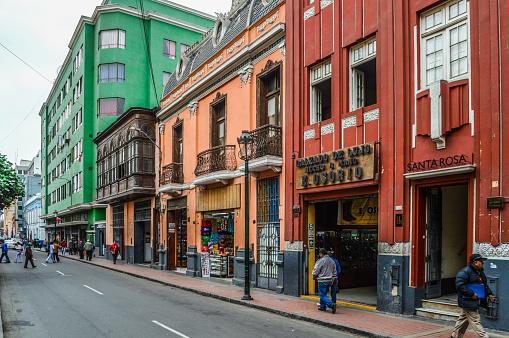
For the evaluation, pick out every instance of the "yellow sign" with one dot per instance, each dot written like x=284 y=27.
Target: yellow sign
x=358 y=211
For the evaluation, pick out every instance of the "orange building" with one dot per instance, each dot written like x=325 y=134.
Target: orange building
x=229 y=82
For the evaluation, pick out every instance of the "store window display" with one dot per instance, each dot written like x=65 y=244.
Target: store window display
x=217 y=232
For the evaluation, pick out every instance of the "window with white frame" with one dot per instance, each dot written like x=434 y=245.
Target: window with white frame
x=363 y=74
x=111 y=72
x=112 y=38
x=445 y=43
x=77 y=60
x=321 y=92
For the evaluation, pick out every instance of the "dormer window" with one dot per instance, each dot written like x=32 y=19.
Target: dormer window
x=220 y=28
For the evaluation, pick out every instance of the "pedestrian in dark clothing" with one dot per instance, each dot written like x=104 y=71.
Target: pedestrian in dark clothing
x=335 y=285
x=81 y=248
x=29 y=257
x=5 y=251
x=114 y=249
x=468 y=279
x=324 y=273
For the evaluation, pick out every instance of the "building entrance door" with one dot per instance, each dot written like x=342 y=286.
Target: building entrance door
x=142 y=233
x=177 y=238
x=446 y=230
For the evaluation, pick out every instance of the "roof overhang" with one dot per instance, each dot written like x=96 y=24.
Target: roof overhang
x=464 y=169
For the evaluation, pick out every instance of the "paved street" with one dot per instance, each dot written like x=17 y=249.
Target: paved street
x=72 y=299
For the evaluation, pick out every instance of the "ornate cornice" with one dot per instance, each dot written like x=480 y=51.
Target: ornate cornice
x=488 y=250
x=245 y=75
x=396 y=249
x=193 y=107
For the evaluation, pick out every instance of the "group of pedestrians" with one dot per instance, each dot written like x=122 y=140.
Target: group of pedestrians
x=19 y=247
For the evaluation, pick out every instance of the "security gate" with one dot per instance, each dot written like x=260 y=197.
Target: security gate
x=267 y=220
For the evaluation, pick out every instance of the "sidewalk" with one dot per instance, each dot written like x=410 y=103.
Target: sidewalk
x=367 y=323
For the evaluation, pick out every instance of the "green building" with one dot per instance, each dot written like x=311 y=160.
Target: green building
x=118 y=58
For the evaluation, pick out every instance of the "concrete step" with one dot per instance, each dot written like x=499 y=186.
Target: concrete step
x=440 y=304
x=436 y=314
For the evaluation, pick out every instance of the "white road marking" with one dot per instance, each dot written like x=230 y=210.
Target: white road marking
x=88 y=287
x=44 y=264
x=61 y=273
x=170 y=329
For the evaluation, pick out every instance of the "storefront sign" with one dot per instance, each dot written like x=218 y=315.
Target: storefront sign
x=341 y=166
x=205 y=264
x=171 y=227
x=438 y=163
x=358 y=211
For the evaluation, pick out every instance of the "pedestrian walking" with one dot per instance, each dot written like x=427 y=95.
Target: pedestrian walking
x=63 y=246
x=56 y=247
x=89 y=248
x=114 y=249
x=324 y=273
x=5 y=252
x=473 y=292
x=50 y=254
x=29 y=257
x=335 y=284
x=18 y=247
x=81 y=248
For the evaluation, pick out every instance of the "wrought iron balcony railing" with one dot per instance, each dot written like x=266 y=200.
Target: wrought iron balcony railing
x=267 y=140
x=172 y=173
x=216 y=159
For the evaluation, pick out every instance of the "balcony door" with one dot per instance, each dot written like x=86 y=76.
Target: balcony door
x=178 y=144
x=218 y=121
x=269 y=95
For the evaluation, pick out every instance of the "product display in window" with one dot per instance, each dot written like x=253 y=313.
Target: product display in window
x=217 y=233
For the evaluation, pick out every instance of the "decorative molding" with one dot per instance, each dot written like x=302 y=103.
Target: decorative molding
x=294 y=246
x=488 y=250
x=325 y=3
x=282 y=47
x=309 y=13
x=371 y=115
x=396 y=249
x=218 y=98
x=309 y=134
x=350 y=121
x=437 y=134
x=193 y=107
x=245 y=75
x=327 y=129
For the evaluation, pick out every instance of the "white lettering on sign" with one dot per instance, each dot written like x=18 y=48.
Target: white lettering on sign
x=267 y=22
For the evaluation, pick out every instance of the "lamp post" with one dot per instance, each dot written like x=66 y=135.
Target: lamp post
x=57 y=219
x=245 y=141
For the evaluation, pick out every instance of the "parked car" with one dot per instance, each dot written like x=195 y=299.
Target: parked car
x=12 y=242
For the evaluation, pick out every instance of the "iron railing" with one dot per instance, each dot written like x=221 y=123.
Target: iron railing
x=172 y=173
x=216 y=159
x=267 y=140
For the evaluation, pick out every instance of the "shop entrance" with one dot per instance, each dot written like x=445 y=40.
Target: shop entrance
x=446 y=237
x=142 y=233
x=177 y=238
x=217 y=231
x=348 y=227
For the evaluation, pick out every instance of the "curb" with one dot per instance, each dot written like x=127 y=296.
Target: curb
x=1 y=319
x=286 y=314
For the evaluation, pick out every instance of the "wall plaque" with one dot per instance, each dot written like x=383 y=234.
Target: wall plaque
x=347 y=165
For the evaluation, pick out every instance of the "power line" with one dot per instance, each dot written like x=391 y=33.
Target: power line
x=26 y=63
x=21 y=122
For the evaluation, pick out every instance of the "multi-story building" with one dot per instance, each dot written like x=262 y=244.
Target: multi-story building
x=398 y=160
x=229 y=82
x=120 y=57
x=32 y=212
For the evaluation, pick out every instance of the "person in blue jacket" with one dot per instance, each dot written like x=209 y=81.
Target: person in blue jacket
x=468 y=279
x=335 y=285
x=5 y=250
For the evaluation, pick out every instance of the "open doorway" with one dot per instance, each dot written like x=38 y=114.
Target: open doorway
x=142 y=233
x=349 y=228
x=446 y=237
x=177 y=239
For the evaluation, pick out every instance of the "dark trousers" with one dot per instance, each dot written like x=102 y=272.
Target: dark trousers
x=31 y=260
x=89 y=255
x=115 y=255
x=81 y=254
x=55 y=254
x=4 y=254
x=334 y=290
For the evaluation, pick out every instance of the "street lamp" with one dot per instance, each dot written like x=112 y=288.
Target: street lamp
x=245 y=141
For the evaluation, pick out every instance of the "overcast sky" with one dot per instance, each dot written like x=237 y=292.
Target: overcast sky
x=39 y=32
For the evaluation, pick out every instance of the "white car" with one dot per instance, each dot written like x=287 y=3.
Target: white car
x=12 y=242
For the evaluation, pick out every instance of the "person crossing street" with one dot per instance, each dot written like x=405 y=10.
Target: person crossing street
x=5 y=252
x=29 y=257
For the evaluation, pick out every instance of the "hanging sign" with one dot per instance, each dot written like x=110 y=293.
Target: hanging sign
x=205 y=264
x=337 y=167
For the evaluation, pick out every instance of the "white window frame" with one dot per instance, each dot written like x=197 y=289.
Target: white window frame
x=317 y=74
x=444 y=28
x=359 y=54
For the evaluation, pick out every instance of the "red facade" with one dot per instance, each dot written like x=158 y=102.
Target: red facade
x=441 y=75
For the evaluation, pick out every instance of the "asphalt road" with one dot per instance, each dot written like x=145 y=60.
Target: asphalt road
x=72 y=299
